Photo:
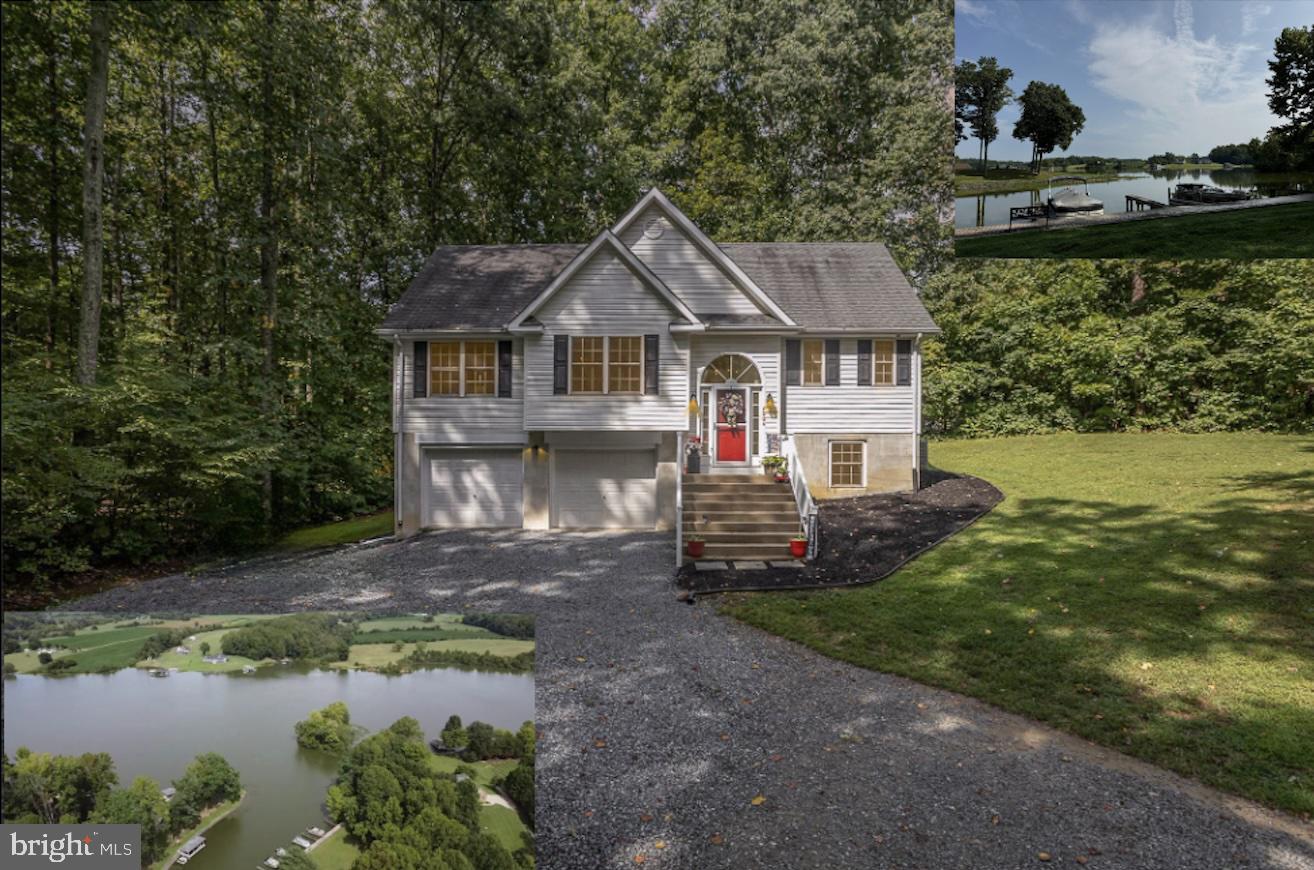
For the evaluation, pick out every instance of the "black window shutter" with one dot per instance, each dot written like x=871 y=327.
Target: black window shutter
x=793 y=362
x=864 y=361
x=903 y=362
x=560 y=364
x=651 y=366
x=504 y=369
x=420 y=377
x=832 y=361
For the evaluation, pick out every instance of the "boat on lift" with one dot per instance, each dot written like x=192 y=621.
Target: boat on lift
x=1204 y=194
x=1071 y=201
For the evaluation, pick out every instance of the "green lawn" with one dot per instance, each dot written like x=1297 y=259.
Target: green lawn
x=96 y=651
x=335 y=853
x=1276 y=232
x=375 y=655
x=504 y=824
x=1150 y=592
x=209 y=818
x=1014 y=180
x=396 y=623
x=485 y=771
x=343 y=532
x=192 y=661
x=451 y=631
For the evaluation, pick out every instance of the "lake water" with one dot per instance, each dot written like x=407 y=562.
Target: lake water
x=155 y=727
x=989 y=209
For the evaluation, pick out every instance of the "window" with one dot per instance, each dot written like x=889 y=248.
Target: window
x=847 y=463
x=444 y=368
x=480 y=368
x=586 y=354
x=882 y=354
x=813 y=362
x=625 y=364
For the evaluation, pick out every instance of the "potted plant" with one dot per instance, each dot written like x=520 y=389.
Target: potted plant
x=798 y=546
x=773 y=464
x=694 y=544
x=694 y=455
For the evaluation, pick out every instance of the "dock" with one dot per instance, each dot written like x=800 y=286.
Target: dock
x=1171 y=211
x=1141 y=203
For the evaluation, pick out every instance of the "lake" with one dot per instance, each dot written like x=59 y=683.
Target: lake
x=155 y=727
x=992 y=208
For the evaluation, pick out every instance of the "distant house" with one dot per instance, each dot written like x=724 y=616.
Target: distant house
x=168 y=793
x=182 y=650
x=462 y=777
x=214 y=660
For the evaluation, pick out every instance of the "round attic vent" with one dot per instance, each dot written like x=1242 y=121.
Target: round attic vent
x=654 y=228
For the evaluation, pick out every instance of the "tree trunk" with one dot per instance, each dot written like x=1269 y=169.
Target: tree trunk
x=93 y=180
x=269 y=242
x=52 y=220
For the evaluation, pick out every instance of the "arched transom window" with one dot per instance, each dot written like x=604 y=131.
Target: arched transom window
x=731 y=368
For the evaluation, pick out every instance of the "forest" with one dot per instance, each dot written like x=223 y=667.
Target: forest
x=208 y=207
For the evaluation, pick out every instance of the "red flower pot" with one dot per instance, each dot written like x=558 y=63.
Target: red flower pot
x=782 y=478
x=798 y=549
x=695 y=548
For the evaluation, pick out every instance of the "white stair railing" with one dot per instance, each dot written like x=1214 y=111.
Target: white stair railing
x=807 y=508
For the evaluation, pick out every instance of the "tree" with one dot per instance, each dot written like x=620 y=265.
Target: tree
x=93 y=237
x=205 y=647
x=981 y=90
x=1291 y=85
x=328 y=730
x=139 y=804
x=1049 y=120
x=45 y=658
x=453 y=735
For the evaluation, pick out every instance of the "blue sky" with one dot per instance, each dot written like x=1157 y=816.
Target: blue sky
x=1151 y=75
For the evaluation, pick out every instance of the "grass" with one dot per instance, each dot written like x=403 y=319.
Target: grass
x=342 y=532
x=1014 y=180
x=504 y=824
x=209 y=818
x=97 y=651
x=1270 y=232
x=335 y=853
x=429 y=633
x=375 y=655
x=1150 y=592
x=484 y=771
x=396 y=623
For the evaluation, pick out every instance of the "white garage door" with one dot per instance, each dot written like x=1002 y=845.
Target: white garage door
x=605 y=489
x=472 y=488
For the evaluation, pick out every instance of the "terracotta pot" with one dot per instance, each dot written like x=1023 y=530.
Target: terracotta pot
x=695 y=548
x=798 y=549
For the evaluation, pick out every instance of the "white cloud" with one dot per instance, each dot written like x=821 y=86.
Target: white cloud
x=972 y=8
x=1187 y=94
x=1251 y=13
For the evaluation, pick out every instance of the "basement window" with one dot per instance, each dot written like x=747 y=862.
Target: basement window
x=848 y=463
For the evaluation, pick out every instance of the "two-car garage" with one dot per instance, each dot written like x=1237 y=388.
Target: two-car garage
x=589 y=488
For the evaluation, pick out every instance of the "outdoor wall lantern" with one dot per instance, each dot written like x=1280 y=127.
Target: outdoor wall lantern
x=693 y=405
x=769 y=406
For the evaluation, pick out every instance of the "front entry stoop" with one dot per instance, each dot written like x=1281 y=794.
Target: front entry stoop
x=740 y=517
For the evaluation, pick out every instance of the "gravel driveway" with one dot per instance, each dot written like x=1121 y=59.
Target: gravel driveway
x=674 y=737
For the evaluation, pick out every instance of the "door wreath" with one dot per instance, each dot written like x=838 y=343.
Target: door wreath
x=732 y=409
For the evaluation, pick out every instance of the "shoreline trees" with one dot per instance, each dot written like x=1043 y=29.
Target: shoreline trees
x=980 y=91
x=1049 y=120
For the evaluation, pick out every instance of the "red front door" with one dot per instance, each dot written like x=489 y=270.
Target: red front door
x=731 y=425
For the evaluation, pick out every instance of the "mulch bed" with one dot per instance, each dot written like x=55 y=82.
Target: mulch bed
x=867 y=538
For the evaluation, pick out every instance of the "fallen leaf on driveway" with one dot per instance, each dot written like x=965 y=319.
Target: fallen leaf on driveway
x=716 y=839
x=1044 y=856
x=777 y=757
x=639 y=859
x=580 y=659
x=1081 y=859
x=660 y=844
x=758 y=801
x=599 y=744
x=645 y=818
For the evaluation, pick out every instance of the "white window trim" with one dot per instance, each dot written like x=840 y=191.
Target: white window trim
x=894 y=363
x=830 y=464
x=460 y=394
x=803 y=364
x=606 y=366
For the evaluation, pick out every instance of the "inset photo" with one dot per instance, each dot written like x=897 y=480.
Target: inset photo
x=314 y=740
x=1169 y=129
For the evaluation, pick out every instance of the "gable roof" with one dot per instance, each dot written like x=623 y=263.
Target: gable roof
x=837 y=286
x=655 y=197
x=605 y=240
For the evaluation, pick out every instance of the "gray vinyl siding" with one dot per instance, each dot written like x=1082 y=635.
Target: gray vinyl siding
x=764 y=350
x=605 y=298
x=684 y=268
x=463 y=419
x=848 y=407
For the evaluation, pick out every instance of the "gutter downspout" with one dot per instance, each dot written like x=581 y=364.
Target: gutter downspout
x=679 y=499
x=917 y=413
x=400 y=405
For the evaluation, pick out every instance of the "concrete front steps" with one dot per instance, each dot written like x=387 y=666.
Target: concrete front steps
x=742 y=517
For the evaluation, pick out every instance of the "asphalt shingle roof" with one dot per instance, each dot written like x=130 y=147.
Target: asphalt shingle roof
x=821 y=285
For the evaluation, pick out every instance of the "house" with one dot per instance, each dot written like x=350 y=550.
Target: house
x=182 y=650
x=554 y=386
x=168 y=793
x=215 y=659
